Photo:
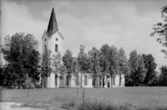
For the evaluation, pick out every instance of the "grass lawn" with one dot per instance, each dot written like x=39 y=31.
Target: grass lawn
x=149 y=97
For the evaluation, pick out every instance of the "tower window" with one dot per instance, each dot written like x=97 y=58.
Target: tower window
x=56 y=48
x=56 y=39
x=45 y=39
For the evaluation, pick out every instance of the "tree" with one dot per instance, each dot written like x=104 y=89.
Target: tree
x=46 y=67
x=1 y=76
x=69 y=64
x=123 y=64
x=161 y=29
x=83 y=63
x=138 y=70
x=94 y=56
x=18 y=50
x=163 y=76
x=150 y=66
x=58 y=68
x=114 y=60
x=141 y=71
x=133 y=61
x=105 y=61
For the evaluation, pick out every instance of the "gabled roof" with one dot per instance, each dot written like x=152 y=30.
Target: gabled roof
x=60 y=35
x=52 y=27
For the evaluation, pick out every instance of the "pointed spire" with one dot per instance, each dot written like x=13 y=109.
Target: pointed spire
x=52 y=27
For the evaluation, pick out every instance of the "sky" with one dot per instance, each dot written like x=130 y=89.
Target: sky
x=122 y=23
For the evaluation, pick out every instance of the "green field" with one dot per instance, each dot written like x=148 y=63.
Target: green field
x=150 y=97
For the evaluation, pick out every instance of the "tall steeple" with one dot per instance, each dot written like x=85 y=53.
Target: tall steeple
x=52 y=27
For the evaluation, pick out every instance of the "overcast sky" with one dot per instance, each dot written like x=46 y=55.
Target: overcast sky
x=126 y=24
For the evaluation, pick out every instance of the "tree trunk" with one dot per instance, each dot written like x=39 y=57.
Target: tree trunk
x=81 y=80
x=43 y=82
x=19 y=85
x=27 y=81
x=96 y=82
x=120 y=80
x=69 y=78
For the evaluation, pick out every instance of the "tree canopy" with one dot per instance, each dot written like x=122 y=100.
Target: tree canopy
x=22 y=57
x=161 y=29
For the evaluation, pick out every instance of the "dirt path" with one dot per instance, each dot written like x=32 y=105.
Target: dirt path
x=15 y=106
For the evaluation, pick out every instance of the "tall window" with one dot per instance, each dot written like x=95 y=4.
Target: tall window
x=114 y=80
x=45 y=48
x=56 y=80
x=99 y=80
x=56 y=48
x=67 y=81
x=85 y=81
x=77 y=80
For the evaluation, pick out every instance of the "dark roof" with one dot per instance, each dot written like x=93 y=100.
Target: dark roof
x=52 y=27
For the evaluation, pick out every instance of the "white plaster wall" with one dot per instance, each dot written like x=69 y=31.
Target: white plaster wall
x=123 y=81
x=44 y=42
x=51 y=81
x=54 y=42
x=50 y=44
x=62 y=81
x=116 y=81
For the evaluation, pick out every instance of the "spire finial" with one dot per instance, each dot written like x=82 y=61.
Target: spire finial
x=53 y=4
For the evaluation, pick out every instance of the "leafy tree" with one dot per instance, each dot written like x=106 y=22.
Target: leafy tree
x=123 y=64
x=133 y=61
x=150 y=66
x=1 y=76
x=138 y=70
x=46 y=68
x=69 y=64
x=163 y=76
x=141 y=71
x=161 y=29
x=18 y=50
x=105 y=61
x=114 y=60
x=58 y=68
x=33 y=65
x=94 y=56
x=0 y=55
x=83 y=63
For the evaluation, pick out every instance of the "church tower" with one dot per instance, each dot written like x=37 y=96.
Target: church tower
x=52 y=40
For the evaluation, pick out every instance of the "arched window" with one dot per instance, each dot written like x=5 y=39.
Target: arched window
x=45 y=48
x=67 y=81
x=56 y=80
x=56 y=48
x=45 y=39
x=77 y=80
x=56 y=39
x=85 y=81
x=114 y=80
x=99 y=80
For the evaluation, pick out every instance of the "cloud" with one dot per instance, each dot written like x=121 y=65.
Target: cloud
x=121 y=23
x=17 y=18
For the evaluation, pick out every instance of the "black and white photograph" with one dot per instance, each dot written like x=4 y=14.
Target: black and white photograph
x=83 y=55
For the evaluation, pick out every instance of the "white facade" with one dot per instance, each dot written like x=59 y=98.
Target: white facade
x=54 y=43
x=51 y=43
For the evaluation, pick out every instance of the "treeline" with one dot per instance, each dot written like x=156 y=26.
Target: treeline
x=143 y=71
x=25 y=67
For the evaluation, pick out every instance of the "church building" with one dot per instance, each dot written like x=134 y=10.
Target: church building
x=53 y=40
